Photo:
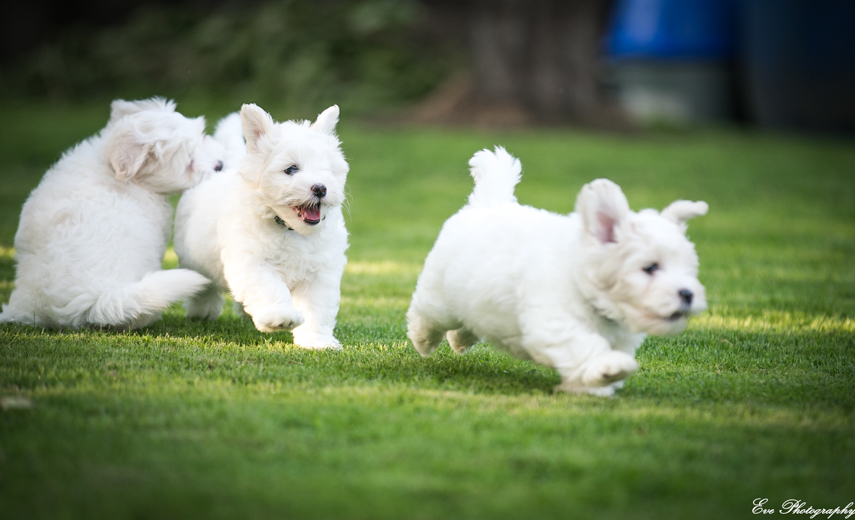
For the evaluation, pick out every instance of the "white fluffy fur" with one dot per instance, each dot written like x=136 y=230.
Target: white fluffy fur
x=226 y=227
x=566 y=291
x=92 y=234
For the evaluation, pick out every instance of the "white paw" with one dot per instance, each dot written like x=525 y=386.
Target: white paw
x=461 y=340
x=207 y=309
x=576 y=388
x=600 y=391
x=316 y=341
x=273 y=318
x=608 y=368
x=204 y=314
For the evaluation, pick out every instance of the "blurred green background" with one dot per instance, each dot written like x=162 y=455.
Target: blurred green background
x=216 y=420
x=607 y=64
x=291 y=56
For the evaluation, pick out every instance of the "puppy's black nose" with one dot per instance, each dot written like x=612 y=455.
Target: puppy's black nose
x=219 y=166
x=319 y=190
x=686 y=295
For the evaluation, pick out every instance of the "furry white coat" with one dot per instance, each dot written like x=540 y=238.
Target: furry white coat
x=93 y=233
x=575 y=292
x=271 y=231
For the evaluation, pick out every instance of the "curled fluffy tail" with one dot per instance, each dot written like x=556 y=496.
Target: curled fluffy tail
x=138 y=304
x=496 y=174
x=229 y=132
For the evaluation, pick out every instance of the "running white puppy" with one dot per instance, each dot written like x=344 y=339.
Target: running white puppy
x=92 y=234
x=272 y=232
x=575 y=292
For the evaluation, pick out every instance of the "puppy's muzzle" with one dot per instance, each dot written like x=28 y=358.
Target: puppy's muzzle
x=686 y=297
x=311 y=213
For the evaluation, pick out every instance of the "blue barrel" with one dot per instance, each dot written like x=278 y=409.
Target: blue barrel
x=673 y=30
x=672 y=60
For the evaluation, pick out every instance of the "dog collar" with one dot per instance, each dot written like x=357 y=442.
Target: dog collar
x=282 y=223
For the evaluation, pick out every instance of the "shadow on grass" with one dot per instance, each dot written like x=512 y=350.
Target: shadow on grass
x=788 y=368
x=231 y=350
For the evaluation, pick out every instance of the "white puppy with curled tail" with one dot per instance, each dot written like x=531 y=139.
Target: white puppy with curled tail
x=92 y=234
x=574 y=292
x=269 y=228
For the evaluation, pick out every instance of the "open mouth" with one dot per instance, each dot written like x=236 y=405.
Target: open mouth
x=677 y=316
x=310 y=214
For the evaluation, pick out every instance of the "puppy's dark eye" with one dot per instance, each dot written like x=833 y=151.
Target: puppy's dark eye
x=652 y=268
x=219 y=166
x=291 y=170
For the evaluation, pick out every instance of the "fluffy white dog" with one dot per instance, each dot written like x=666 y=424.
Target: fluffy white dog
x=575 y=292
x=272 y=232
x=92 y=234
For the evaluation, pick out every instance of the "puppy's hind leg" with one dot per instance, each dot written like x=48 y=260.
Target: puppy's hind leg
x=425 y=335
x=461 y=339
x=207 y=305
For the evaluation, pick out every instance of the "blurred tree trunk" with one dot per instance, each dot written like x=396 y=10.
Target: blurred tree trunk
x=540 y=56
x=543 y=54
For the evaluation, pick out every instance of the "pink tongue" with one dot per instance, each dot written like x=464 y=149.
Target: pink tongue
x=311 y=213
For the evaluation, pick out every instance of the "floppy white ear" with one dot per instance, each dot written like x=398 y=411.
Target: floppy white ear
x=603 y=206
x=680 y=211
x=256 y=123
x=327 y=120
x=128 y=154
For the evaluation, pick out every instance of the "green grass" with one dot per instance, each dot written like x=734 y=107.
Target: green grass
x=216 y=420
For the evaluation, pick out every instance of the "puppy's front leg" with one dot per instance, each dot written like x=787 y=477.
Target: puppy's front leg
x=599 y=375
x=262 y=292
x=319 y=302
x=584 y=359
x=588 y=365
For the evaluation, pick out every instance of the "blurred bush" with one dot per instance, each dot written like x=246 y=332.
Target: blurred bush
x=368 y=54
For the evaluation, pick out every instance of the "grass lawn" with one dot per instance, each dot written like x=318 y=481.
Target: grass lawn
x=216 y=420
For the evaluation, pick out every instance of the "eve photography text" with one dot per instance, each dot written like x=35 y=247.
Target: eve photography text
x=799 y=507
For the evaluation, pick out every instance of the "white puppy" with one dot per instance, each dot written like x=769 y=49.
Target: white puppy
x=92 y=234
x=272 y=232
x=575 y=292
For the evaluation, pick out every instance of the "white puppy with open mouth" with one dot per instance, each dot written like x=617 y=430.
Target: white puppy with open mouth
x=574 y=292
x=92 y=234
x=269 y=228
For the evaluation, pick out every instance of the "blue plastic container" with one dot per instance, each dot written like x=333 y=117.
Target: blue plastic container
x=672 y=60
x=674 y=29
